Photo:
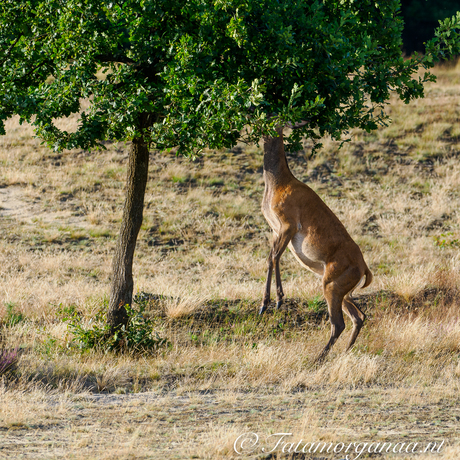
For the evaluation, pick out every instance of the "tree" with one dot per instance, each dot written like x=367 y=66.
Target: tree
x=197 y=73
x=50 y=54
x=421 y=17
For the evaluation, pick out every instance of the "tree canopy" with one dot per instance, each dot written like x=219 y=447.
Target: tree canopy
x=56 y=53
x=202 y=69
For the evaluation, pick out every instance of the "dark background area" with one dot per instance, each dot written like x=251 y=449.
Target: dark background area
x=421 y=18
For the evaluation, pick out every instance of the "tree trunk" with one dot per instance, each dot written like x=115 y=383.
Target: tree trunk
x=122 y=266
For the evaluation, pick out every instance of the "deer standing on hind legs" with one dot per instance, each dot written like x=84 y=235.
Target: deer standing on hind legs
x=319 y=241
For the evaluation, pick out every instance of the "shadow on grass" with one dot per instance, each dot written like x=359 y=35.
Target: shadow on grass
x=238 y=321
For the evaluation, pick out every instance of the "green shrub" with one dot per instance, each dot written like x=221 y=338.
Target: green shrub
x=446 y=240
x=138 y=336
x=12 y=317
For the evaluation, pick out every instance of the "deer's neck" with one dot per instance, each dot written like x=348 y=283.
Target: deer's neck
x=276 y=169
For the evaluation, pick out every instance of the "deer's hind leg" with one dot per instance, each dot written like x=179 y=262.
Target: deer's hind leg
x=334 y=303
x=356 y=316
x=336 y=288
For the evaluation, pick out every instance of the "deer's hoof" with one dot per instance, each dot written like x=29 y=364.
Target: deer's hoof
x=262 y=309
x=278 y=304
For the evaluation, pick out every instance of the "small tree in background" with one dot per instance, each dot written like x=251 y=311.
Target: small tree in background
x=421 y=18
x=193 y=73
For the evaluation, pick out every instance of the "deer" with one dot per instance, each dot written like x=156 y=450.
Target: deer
x=318 y=240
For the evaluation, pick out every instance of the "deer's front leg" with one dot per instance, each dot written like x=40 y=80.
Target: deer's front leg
x=279 y=287
x=266 y=298
x=280 y=243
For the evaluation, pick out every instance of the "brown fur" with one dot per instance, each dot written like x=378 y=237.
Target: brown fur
x=316 y=237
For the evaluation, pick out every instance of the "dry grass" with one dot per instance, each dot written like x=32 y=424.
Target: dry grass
x=201 y=258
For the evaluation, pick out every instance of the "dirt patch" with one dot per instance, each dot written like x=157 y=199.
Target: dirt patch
x=15 y=204
x=207 y=425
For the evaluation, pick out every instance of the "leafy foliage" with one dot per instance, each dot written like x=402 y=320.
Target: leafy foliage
x=136 y=336
x=447 y=39
x=202 y=70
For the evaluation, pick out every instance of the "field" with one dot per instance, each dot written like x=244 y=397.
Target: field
x=199 y=273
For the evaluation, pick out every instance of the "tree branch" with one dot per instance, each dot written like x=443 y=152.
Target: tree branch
x=31 y=71
x=8 y=51
x=114 y=58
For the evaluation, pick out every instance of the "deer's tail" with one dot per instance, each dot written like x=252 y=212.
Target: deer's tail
x=369 y=277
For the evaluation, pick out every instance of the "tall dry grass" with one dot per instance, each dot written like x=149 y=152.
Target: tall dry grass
x=201 y=259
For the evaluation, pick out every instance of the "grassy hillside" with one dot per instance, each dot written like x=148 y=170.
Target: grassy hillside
x=200 y=272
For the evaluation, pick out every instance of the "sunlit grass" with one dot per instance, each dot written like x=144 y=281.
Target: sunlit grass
x=201 y=264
